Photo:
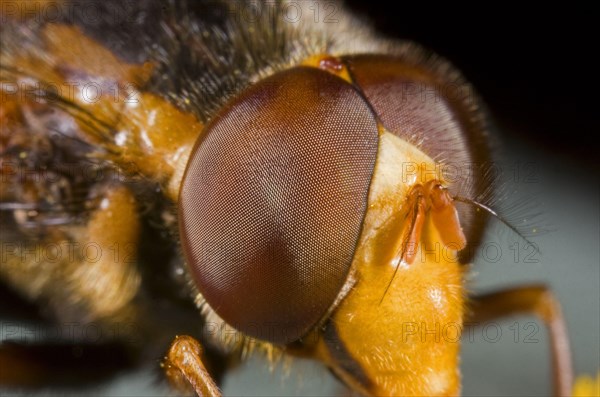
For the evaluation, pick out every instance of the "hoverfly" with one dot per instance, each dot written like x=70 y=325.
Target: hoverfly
x=314 y=190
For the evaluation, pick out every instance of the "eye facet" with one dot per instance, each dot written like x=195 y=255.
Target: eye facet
x=273 y=199
x=430 y=105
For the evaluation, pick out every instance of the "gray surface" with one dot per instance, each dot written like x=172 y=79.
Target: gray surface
x=569 y=263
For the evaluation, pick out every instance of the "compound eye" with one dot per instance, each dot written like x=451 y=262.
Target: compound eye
x=427 y=103
x=273 y=199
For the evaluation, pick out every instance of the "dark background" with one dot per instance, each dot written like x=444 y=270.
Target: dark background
x=533 y=67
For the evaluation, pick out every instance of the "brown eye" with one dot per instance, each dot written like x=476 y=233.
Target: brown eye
x=273 y=200
x=430 y=105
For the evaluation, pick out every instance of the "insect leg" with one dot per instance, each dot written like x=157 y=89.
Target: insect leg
x=184 y=367
x=538 y=300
